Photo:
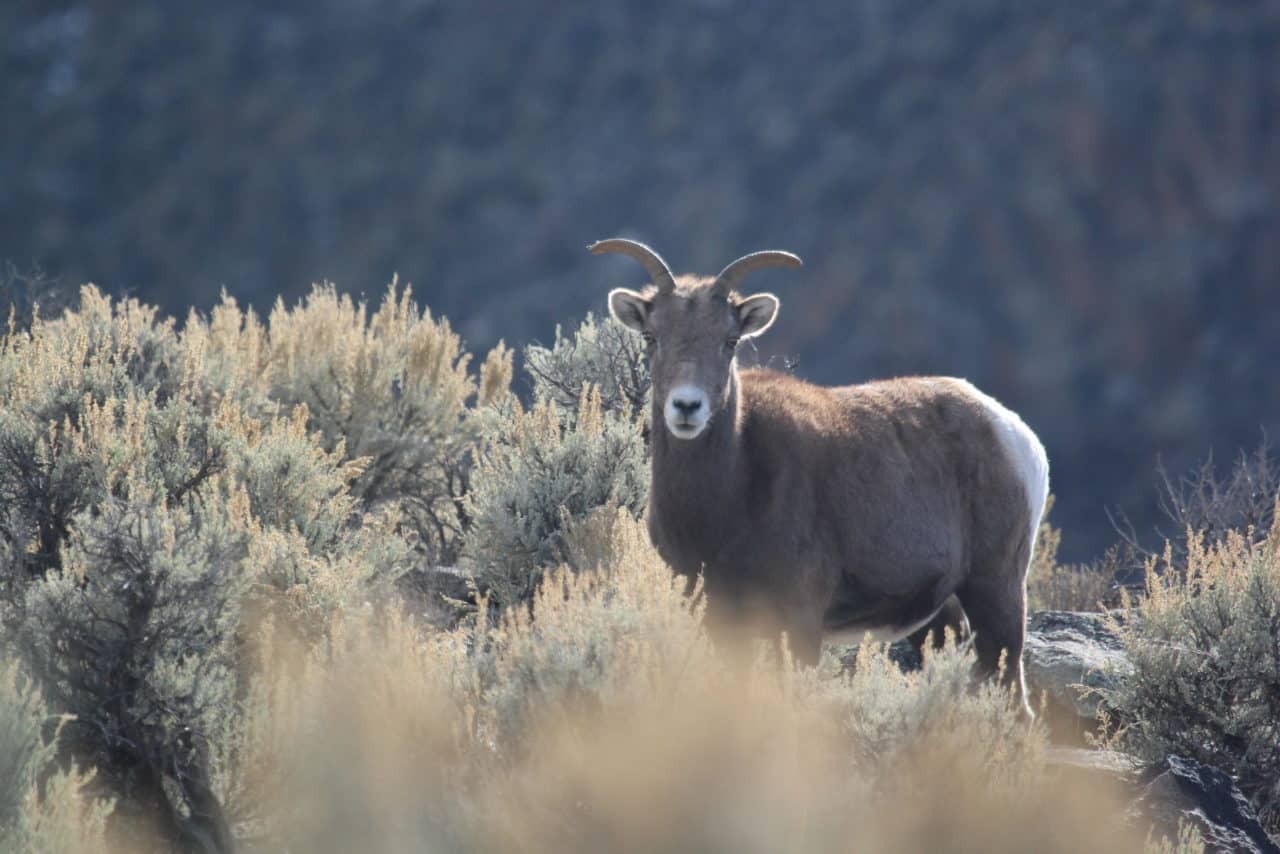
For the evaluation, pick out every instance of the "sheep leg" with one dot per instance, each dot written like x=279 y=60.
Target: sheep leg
x=806 y=645
x=998 y=619
x=933 y=633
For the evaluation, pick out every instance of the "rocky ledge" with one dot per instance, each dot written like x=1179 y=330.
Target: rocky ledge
x=1070 y=656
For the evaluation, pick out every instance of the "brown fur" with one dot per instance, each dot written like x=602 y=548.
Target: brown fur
x=819 y=509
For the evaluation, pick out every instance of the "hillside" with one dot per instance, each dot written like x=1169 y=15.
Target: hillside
x=1075 y=208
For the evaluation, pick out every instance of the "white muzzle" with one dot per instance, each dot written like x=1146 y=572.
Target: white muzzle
x=687 y=411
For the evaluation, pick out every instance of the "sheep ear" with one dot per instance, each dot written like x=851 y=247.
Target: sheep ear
x=629 y=308
x=756 y=314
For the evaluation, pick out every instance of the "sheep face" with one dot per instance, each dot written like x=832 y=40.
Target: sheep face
x=692 y=332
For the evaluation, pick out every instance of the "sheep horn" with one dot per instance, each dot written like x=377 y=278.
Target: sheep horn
x=732 y=274
x=658 y=270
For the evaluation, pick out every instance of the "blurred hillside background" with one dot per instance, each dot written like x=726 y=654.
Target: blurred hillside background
x=1075 y=207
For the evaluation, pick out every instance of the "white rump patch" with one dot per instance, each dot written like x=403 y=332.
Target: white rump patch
x=1024 y=451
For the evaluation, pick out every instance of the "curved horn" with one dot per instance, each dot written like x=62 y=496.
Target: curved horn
x=734 y=273
x=658 y=270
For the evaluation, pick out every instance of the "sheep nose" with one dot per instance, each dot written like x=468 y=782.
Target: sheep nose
x=686 y=407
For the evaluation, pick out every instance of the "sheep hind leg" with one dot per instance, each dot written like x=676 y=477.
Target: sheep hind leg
x=933 y=634
x=998 y=620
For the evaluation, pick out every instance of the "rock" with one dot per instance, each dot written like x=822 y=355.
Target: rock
x=1064 y=651
x=1162 y=797
x=1106 y=763
x=1187 y=789
x=1087 y=769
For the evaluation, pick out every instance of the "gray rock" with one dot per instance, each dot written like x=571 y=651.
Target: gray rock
x=1068 y=653
x=1104 y=763
x=1162 y=797
x=1184 y=789
x=1088 y=769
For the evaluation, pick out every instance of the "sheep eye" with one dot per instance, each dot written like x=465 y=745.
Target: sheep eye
x=649 y=339
x=731 y=344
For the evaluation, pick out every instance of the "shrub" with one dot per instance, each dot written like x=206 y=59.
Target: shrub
x=24 y=296
x=393 y=389
x=1212 y=504
x=134 y=638
x=66 y=383
x=144 y=516
x=312 y=548
x=1206 y=503
x=541 y=473
x=42 y=810
x=585 y=641
x=601 y=353
x=603 y=718
x=1204 y=642
x=194 y=552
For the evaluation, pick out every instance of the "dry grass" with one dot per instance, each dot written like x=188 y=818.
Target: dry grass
x=605 y=720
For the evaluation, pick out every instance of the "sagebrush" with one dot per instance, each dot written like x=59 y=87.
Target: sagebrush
x=164 y=491
x=391 y=387
x=602 y=717
x=1204 y=642
x=43 y=809
x=541 y=472
x=601 y=353
x=201 y=530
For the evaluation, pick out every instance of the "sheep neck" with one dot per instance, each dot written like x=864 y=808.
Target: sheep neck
x=695 y=486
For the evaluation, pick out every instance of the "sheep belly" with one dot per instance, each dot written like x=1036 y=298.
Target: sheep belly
x=858 y=610
x=853 y=634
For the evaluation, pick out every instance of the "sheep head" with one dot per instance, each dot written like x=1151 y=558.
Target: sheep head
x=692 y=327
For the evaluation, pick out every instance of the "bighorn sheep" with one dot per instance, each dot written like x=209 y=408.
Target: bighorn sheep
x=893 y=507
